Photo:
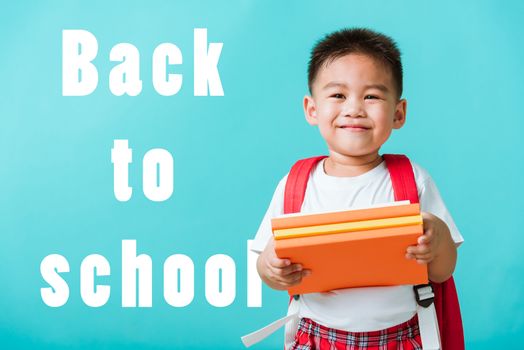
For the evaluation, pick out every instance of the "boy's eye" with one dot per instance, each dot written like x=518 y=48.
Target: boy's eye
x=338 y=96
x=369 y=97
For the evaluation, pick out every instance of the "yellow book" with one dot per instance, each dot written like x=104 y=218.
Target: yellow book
x=347 y=227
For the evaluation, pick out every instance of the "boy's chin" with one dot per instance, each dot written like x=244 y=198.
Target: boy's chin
x=351 y=152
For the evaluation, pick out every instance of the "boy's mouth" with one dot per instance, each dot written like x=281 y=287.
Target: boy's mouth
x=355 y=127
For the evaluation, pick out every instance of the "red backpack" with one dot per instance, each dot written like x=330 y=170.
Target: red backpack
x=404 y=188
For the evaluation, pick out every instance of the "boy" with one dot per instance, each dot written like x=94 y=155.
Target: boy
x=355 y=82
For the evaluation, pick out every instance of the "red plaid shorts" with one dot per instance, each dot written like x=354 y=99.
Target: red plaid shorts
x=311 y=335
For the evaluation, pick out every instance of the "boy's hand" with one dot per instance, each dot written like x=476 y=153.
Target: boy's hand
x=435 y=248
x=278 y=273
x=424 y=252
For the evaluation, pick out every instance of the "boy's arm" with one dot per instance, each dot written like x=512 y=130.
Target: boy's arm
x=278 y=273
x=435 y=248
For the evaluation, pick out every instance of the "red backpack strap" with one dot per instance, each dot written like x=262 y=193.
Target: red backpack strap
x=446 y=299
x=296 y=183
x=402 y=177
x=448 y=314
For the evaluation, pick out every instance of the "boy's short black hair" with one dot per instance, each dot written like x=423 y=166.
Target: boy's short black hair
x=356 y=40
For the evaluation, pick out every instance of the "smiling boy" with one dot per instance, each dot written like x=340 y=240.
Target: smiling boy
x=355 y=82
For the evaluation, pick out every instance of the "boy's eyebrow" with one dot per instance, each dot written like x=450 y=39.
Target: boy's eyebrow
x=380 y=87
x=333 y=84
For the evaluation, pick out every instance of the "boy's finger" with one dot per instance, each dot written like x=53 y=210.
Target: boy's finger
x=426 y=256
x=423 y=249
x=291 y=269
x=426 y=237
x=418 y=249
x=283 y=272
x=296 y=277
x=289 y=280
x=413 y=250
x=280 y=263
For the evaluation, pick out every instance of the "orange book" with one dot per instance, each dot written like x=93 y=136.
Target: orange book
x=301 y=220
x=362 y=258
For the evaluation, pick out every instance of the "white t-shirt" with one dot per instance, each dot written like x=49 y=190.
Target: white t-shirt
x=357 y=309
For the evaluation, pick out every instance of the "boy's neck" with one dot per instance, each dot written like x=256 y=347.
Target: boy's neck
x=343 y=166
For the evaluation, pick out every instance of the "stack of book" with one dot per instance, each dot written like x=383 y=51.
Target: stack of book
x=352 y=248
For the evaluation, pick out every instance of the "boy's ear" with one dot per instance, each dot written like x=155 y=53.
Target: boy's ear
x=310 y=110
x=400 y=114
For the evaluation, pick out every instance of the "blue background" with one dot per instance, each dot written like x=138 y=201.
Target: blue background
x=463 y=76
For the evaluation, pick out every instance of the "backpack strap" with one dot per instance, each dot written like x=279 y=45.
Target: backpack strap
x=405 y=188
x=445 y=294
x=294 y=194
x=402 y=177
x=296 y=183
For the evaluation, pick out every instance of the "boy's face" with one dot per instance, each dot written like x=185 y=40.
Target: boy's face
x=355 y=105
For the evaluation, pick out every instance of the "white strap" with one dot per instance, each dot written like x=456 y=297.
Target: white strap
x=428 y=323
x=292 y=325
x=256 y=336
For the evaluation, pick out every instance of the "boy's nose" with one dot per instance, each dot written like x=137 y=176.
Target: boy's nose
x=353 y=108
